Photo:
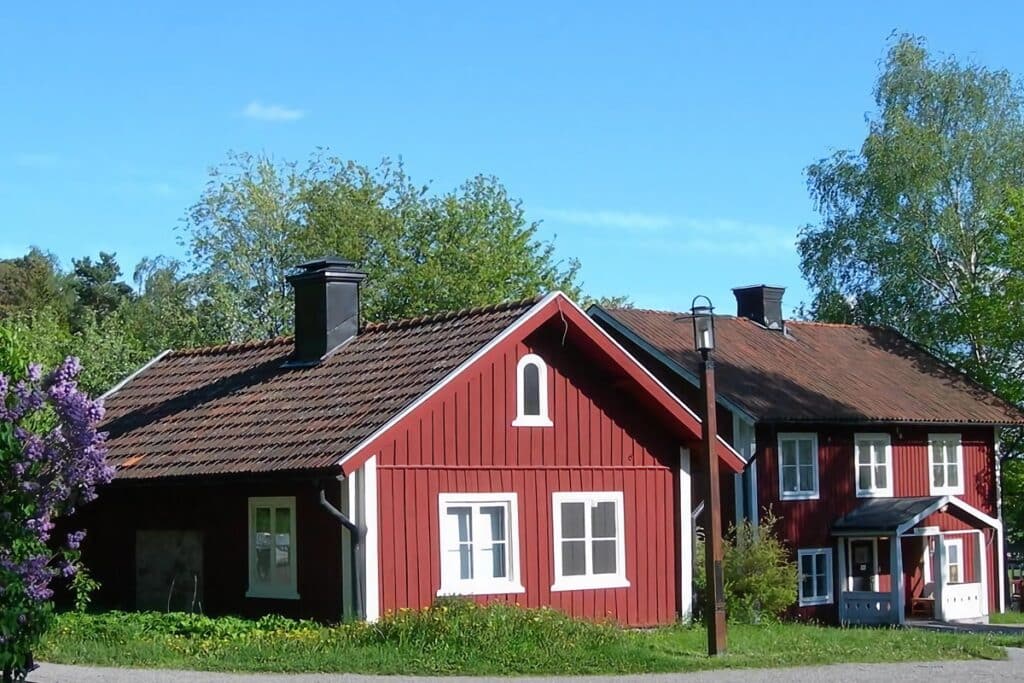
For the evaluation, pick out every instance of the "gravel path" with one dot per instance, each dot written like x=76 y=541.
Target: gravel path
x=1011 y=669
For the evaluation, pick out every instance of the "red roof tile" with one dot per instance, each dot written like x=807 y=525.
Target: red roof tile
x=825 y=373
x=235 y=409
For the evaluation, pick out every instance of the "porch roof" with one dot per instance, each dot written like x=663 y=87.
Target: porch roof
x=883 y=514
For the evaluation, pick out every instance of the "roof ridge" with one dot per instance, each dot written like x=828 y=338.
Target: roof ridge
x=450 y=315
x=633 y=309
x=384 y=325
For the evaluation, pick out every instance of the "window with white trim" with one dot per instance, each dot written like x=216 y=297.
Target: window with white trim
x=798 y=466
x=479 y=543
x=873 y=465
x=272 y=570
x=815 y=566
x=531 y=392
x=590 y=547
x=955 y=560
x=946 y=456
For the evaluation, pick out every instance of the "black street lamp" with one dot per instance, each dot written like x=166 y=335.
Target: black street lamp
x=714 y=609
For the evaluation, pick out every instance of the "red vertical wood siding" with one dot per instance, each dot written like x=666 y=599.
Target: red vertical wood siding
x=461 y=440
x=807 y=524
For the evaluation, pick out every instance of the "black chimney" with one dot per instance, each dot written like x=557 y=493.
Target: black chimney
x=326 y=307
x=762 y=304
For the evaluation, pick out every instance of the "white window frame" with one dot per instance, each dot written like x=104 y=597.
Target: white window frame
x=454 y=585
x=874 y=491
x=817 y=599
x=273 y=591
x=960 y=566
x=798 y=495
x=543 y=419
x=590 y=580
x=957 y=490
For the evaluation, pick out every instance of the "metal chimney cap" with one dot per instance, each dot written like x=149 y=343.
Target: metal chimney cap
x=325 y=263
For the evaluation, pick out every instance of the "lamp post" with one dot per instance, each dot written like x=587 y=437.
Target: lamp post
x=703 y=317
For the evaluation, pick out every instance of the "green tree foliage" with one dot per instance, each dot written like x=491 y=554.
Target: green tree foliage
x=922 y=228
x=759 y=572
x=33 y=282
x=423 y=252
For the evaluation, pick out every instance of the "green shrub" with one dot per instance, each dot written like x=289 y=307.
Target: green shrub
x=760 y=578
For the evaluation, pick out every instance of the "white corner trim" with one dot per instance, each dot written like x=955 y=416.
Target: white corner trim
x=371 y=573
x=997 y=452
x=685 y=538
x=505 y=334
x=120 y=385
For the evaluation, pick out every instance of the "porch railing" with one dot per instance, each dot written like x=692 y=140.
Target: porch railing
x=866 y=607
x=961 y=601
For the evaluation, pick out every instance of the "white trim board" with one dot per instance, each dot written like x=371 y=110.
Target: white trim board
x=120 y=385
x=938 y=505
x=502 y=336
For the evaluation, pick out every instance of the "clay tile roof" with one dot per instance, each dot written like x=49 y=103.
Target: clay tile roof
x=235 y=409
x=819 y=372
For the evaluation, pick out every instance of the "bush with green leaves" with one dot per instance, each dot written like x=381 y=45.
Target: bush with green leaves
x=760 y=574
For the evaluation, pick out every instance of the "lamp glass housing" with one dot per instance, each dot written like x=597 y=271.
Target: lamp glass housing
x=703 y=325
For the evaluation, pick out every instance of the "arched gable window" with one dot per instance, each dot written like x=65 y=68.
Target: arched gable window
x=531 y=392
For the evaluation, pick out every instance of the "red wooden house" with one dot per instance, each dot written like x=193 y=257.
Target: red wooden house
x=515 y=452
x=880 y=461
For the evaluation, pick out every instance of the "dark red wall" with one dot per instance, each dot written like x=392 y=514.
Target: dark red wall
x=220 y=513
x=461 y=440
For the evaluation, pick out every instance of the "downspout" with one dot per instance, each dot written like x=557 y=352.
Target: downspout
x=357 y=534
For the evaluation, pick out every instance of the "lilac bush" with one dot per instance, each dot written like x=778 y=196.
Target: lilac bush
x=52 y=458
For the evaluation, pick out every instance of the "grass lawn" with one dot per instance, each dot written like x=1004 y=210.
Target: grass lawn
x=465 y=639
x=1007 y=618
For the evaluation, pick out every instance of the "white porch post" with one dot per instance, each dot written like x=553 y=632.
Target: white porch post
x=940 y=576
x=843 y=580
x=685 y=538
x=982 y=565
x=896 y=577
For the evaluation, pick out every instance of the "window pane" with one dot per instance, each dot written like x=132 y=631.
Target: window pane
x=863 y=452
x=602 y=520
x=788 y=453
x=464 y=523
x=499 y=565
x=573 y=520
x=820 y=586
x=806 y=478
x=952 y=475
x=881 y=476
x=497 y=519
x=807 y=565
x=864 y=478
x=806 y=456
x=937 y=454
x=574 y=562
x=604 y=557
x=262 y=520
x=263 y=562
x=789 y=479
x=938 y=475
x=283 y=520
x=807 y=586
x=531 y=389
x=465 y=553
x=954 y=554
x=880 y=453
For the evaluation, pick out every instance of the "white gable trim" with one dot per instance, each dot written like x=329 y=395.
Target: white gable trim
x=955 y=502
x=117 y=387
x=505 y=334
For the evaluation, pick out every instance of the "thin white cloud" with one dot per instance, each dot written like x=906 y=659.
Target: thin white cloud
x=271 y=112
x=626 y=220
x=679 y=233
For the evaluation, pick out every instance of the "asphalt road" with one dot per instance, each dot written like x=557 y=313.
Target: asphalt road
x=1011 y=669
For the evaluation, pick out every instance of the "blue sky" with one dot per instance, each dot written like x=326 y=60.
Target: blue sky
x=664 y=143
